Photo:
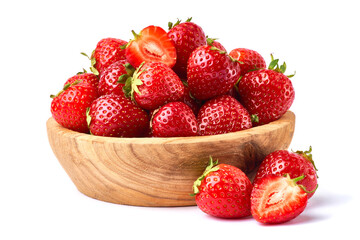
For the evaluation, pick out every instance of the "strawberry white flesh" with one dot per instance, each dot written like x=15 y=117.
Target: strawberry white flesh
x=277 y=199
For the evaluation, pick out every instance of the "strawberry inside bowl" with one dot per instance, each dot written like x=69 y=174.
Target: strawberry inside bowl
x=159 y=171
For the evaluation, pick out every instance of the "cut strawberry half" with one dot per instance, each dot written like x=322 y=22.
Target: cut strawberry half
x=151 y=45
x=277 y=199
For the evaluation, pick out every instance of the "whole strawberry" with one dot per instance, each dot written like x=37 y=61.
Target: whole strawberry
x=223 y=191
x=85 y=77
x=117 y=116
x=248 y=59
x=109 y=80
x=186 y=36
x=295 y=164
x=211 y=72
x=154 y=84
x=175 y=119
x=107 y=51
x=267 y=93
x=222 y=114
x=277 y=199
x=152 y=44
x=68 y=107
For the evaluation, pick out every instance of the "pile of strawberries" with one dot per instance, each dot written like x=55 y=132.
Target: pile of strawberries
x=180 y=83
x=172 y=84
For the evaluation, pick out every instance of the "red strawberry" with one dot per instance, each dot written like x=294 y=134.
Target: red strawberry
x=250 y=59
x=222 y=114
x=151 y=45
x=214 y=43
x=175 y=119
x=69 y=106
x=223 y=191
x=85 y=77
x=117 y=116
x=211 y=72
x=186 y=36
x=295 y=164
x=107 y=51
x=189 y=100
x=109 y=80
x=153 y=84
x=277 y=199
x=267 y=93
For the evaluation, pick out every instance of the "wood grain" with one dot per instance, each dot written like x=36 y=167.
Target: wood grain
x=159 y=171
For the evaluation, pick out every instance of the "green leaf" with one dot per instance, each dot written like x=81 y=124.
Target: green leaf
x=123 y=46
x=283 y=68
x=254 y=118
x=136 y=36
x=273 y=64
x=290 y=76
x=189 y=19
x=94 y=70
x=122 y=79
x=82 y=53
x=88 y=117
x=210 y=168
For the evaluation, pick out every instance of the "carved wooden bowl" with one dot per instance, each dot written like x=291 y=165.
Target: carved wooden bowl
x=159 y=171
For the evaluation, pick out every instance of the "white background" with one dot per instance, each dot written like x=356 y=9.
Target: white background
x=40 y=48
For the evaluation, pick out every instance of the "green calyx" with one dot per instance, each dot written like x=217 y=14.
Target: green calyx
x=65 y=88
x=131 y=80
x=88 y=118
x=210 y=41
x=220 y=51
x=274 y=65
x=210 y=168
x=308 y=156
x=83 y=71
x=293 y=183
x=129 y=73
x=254 y=118
x=93 y=62
x=171 y=25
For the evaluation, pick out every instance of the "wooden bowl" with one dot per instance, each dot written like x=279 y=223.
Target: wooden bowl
x=159 y=171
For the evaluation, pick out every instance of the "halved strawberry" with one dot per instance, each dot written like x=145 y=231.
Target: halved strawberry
x=151 y=45
x=277 y=199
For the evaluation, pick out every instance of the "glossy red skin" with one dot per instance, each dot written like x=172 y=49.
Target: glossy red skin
x=219 y=46
x=186 y=36
x=90 y=78
x=108 y=82
x=211 y=73
x=222 y=114
x=191 y=101
x=69 y=107
x=267 y=94
x=282 y=162
x=117 y=116
x=107 y=52
x=286 y=208
x=160 y=86
x=225 y=193
x=250 y=59
x=152 y=45
x=175 y=119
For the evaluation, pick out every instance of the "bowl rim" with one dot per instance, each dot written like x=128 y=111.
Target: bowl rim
x=287 y=118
